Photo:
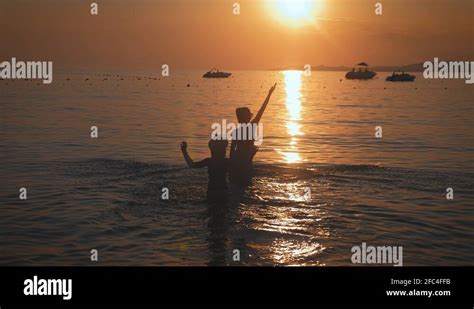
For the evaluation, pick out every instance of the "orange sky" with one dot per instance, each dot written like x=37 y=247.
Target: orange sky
x=143 y=34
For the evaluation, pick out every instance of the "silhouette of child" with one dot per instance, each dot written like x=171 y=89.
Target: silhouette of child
x=216 y=165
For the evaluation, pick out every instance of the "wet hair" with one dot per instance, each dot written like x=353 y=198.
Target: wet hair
x=218 y=147
x=243 y=114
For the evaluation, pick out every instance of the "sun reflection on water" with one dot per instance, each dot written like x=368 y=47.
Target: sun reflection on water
x=296 y=253
x=290 y=212
x=293 y=107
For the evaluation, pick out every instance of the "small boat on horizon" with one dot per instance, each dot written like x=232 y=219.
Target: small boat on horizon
x=214 y=73
x=398 y=76
x=361 y=71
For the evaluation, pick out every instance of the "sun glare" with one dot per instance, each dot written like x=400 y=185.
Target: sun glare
x=294 y=12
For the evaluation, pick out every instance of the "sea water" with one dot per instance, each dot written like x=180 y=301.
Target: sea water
x=104 y=193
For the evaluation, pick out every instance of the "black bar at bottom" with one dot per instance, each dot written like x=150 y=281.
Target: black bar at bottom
x=326 y=285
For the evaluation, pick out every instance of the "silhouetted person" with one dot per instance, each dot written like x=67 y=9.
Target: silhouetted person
x=216 y=165
x=243 y=151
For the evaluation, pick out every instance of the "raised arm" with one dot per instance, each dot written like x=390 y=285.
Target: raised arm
x=264 y=105
x=189 y=161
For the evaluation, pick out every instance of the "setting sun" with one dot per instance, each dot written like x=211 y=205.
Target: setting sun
x=294 y=12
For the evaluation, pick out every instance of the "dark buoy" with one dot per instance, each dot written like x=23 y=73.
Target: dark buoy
x=188 y=85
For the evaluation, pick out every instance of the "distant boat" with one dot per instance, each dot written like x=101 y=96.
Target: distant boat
x=398 y=76
x=214 y=73
x=361 y=71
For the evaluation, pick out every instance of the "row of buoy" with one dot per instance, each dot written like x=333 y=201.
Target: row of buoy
x=126 y=76
x=69 y=79
x=105 y=79
x=189 y=85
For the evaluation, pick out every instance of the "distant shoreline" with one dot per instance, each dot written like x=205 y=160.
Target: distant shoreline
x=417 y=67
